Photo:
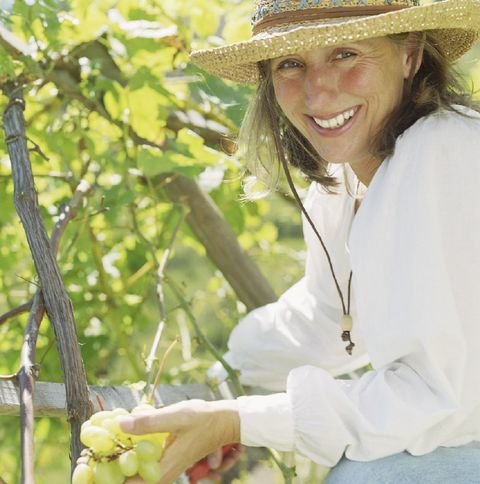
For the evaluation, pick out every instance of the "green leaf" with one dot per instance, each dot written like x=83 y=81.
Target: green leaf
x=152 y=162
x=116 y=101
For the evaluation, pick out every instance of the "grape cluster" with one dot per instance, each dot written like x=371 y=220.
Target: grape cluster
x=111 y=455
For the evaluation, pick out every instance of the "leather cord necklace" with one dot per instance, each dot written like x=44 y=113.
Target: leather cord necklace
x=346 y=322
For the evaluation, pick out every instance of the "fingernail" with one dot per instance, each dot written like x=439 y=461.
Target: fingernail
x=126 y=423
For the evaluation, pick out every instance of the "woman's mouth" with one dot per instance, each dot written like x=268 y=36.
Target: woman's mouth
x=336 y=124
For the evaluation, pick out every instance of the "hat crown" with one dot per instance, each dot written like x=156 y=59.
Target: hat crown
x=283 y=27
x=267 y=11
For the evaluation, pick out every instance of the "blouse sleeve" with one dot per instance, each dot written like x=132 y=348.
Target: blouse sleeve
x=302 y=327
x=415 y=252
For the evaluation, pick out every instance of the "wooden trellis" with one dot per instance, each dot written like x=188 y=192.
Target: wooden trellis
x=49 y=399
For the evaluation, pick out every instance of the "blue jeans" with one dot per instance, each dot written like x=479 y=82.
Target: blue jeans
x=446 y=465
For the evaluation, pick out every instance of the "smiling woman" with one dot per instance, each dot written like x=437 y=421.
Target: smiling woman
x=436 y=86
x=363 y=95
x=363 y=82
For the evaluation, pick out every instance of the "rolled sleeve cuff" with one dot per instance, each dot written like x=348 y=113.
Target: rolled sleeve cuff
x=267 y=421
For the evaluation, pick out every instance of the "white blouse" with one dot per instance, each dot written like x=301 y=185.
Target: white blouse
x=413 y=247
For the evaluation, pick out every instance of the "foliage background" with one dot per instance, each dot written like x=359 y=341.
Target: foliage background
x=130 y=58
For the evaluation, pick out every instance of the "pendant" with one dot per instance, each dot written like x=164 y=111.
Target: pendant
x=347 y=325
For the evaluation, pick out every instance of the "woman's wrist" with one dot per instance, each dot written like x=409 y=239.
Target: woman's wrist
x=227 y=415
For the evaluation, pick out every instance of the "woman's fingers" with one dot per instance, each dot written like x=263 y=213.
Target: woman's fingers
x=186 y=450
x=231 y=458
x=146 y=423
x=215 y=463
x=166 y=419
x=215 y=459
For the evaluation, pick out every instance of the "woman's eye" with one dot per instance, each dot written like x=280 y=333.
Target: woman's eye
x=287 y=64
x=344 y=54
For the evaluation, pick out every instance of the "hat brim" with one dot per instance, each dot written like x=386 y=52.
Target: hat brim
x=454 y=24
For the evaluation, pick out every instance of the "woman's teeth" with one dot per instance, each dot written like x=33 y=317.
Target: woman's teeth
x=336 y=122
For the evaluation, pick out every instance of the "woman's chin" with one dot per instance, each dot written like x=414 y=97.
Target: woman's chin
x=333 y=159
x=343 y=157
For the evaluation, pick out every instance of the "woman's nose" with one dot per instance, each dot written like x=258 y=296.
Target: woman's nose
x=320 y=84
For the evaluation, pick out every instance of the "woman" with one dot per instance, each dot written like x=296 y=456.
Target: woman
x=364 y=88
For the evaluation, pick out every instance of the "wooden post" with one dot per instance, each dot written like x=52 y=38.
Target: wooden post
x=220 y=242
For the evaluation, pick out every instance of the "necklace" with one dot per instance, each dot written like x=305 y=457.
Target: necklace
x=346 y=322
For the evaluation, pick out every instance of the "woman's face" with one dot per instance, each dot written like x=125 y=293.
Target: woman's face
x=339 y=97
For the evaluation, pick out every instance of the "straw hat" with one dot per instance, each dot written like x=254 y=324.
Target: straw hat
x=282 y=27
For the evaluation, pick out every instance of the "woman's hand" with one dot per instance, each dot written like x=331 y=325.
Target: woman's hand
x=212 y=466
x=197 y=428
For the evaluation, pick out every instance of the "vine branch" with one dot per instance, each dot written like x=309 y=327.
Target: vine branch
x=28 y=372
x=160 y=276
x=16 y=312
x=53 y=293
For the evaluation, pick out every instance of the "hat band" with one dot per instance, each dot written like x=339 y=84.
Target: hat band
x=312 y=14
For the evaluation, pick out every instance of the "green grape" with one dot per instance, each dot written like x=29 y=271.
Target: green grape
x=128 y=463
x=125 y=440
x=85 y=424
x=143 y=408
x=99 y=417
x=136 y=438
x=127 y=454
x=148 y=451
x=100 y=440
x=149 y=471
x=83 y=459
x=112 y=426
x=108 y=473
x=83 y=474
x=117 y=473
x=157 y=439
x=87 y=435
x=119 y=412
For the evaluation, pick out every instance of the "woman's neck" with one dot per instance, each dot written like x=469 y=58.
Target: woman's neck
x=365 y=170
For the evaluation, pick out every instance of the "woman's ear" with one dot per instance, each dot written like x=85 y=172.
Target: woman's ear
x=413 y=54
